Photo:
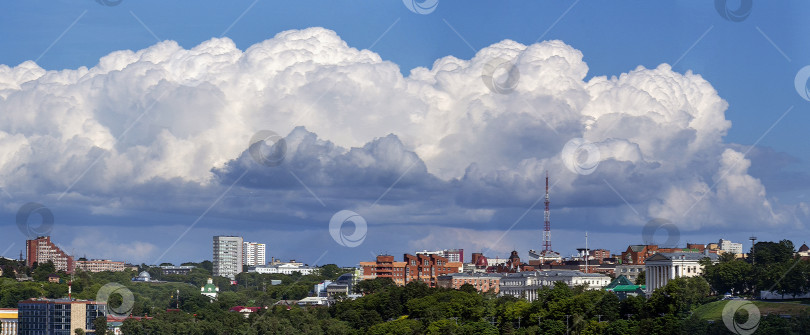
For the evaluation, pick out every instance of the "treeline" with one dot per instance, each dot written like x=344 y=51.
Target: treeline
x=418 y=309
x=772 y=267
x=150 y=298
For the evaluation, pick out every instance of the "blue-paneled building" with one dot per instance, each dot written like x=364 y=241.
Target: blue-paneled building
x=57 y=316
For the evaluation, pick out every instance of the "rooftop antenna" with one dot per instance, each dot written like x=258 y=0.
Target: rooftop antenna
x=586 y=251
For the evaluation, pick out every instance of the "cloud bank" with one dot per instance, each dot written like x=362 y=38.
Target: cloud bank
x=166 y=129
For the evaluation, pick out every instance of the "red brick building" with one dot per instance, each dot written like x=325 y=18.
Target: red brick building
x=636 y=254
x=426 y=268
x=599 y=254
x=483 y=282
x=42 y=250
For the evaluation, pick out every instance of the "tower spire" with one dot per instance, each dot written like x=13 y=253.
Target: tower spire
x=547 y=223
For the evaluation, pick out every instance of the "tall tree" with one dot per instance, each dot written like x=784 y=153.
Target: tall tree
x=43 y=270
x=734 y=275
x=766 y=253
x=642 y=278
x=100 y=325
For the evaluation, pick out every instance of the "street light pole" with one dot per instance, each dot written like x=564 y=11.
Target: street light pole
x=567 y=329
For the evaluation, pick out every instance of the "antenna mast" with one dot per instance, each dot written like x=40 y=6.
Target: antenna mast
x=547 y=225
x=587 y=254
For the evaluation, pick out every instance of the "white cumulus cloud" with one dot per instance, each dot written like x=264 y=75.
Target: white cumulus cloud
x=140 y=126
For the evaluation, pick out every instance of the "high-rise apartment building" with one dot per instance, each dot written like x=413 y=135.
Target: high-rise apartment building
x=228 y=256
x=42 y=250
x=253 y=253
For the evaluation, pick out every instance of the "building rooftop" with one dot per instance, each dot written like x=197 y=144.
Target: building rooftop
x=467 y=274
x=60 y=301
x=627 y=288
x=621 y=280
x=554 y=273
x=689 y=256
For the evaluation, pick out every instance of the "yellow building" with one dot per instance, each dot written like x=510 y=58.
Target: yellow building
x=8 y=321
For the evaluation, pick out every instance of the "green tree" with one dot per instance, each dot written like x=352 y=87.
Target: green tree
x=620 y=327
x=330 y=271
x=729 y=275
x=43 y=270
x=207 y=265
x=642 y=278
x=8 y=271
x=100 y=325
x=443 y=327
x=78 y=331
x=552 y=327
x=631 y=306
x=772 y=252
x=678 y=296
x=374 y=285
x=467 y=288
x=480 y=327
x=396 y=327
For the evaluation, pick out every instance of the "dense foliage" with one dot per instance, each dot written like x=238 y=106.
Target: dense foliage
x=773 y=267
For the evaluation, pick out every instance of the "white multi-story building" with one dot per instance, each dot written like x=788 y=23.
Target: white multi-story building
x=227 y=256
x=526 y=284
x=253 y=253
x=452 y=255
x=99 y=265
x=284 y=268
x=660 y=268
x=730 y=247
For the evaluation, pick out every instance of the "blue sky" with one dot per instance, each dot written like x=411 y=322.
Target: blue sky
x=751 y=64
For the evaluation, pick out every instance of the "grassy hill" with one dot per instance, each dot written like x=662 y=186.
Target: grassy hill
x=714 y=310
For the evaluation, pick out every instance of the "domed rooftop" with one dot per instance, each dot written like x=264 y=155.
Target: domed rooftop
x=144 y=275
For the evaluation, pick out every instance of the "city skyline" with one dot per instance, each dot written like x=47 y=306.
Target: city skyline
x=55 y=254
